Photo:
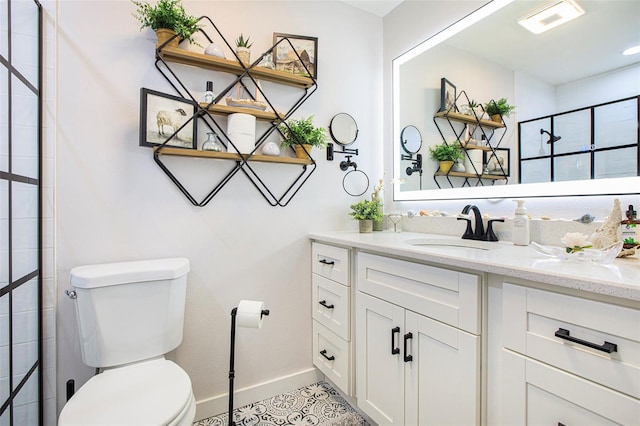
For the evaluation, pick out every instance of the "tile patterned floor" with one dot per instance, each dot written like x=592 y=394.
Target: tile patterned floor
x=314 y=405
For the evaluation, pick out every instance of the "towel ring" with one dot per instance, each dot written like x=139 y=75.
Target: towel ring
x=353 y=191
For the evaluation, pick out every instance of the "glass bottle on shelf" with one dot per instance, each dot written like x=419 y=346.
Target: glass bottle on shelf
x=267 y=62
x=208 y=95
x=212 y=143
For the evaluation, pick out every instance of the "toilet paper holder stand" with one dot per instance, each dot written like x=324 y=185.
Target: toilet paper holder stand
x=232 y=372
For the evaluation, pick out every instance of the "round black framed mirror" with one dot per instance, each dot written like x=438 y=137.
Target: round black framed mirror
x=343 y=129
x=410 y=140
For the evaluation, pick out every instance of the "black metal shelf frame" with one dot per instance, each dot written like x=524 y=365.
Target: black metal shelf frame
x=203 y=113
x=487 y=133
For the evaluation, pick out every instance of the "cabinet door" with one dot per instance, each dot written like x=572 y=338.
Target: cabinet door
x=443 y=378
x=380 y=367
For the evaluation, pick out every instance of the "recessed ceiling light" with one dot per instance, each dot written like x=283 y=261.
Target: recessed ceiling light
x=632 y=50
x=551 y=15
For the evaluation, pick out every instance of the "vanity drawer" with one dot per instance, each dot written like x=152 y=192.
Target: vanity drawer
x=448 y=296
x=538 y=394
x=330 y=262
x=332 y=356
x=595 y=340
x=330 y=302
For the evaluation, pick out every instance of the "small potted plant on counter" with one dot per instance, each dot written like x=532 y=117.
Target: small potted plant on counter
x=302 y=135
x=446 y=154
x=365 y=212
x=498 y=109
x=167 y=18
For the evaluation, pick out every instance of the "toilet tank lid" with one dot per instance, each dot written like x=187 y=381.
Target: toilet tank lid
x=107 y=274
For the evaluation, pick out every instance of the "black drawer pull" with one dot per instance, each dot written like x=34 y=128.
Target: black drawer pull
x=606 y=347
x=394 y=350
x=324 y=303
x=560 y=424
x=327 y=262
x=407 y=337
x=324 y=354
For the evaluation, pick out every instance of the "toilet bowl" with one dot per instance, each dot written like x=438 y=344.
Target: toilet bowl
x=156 y=392
x=129 y=315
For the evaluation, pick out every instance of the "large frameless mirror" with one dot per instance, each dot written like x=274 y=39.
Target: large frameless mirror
x=567 y=68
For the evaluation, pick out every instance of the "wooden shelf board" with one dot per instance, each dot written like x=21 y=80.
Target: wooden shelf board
x=181 y=152
x=186 y=57
x=471 y=175
x=469 y=119
x=226 y=110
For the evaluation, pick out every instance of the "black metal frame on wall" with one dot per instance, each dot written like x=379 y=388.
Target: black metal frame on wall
x=21 y=97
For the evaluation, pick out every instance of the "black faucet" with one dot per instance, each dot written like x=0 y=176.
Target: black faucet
x=478 y=232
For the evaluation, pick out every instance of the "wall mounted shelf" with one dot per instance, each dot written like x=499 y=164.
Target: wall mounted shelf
x=487 y=128
x=232 y=156
x=200 y=60
x=246 y=76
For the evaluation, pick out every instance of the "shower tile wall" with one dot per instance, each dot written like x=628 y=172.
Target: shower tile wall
x=22 y=210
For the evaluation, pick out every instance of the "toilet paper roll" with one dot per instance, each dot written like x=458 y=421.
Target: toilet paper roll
x=475 y=158
x=249 y=314
x=241 y=129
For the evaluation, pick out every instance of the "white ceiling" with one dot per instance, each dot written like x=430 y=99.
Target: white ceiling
x=377 y=7
x=589 y=45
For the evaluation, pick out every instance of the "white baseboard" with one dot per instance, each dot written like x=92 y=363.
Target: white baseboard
x=219 y=404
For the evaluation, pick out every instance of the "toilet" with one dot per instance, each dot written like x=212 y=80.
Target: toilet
x=129 y=315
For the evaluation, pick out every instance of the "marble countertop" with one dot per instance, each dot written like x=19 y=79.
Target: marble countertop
x=620 y=279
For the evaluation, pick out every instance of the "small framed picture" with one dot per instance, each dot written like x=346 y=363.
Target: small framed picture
x=305 y=62
x=447 y=96
x=162 y=115
x=498 y=163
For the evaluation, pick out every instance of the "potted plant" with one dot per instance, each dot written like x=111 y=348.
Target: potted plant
x=242 y=50
x=302 y=135
x=498 y=109
x=446 y=154
x=472 y=108
x=366 y=212
x=167 y=18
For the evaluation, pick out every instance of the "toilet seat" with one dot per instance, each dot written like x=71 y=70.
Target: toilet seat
x=156 y=392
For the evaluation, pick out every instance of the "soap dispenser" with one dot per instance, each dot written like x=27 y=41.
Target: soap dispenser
x=521 y=234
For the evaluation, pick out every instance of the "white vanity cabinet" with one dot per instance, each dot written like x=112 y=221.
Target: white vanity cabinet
x=417 y=343
x=331 y=307
x=568 y=360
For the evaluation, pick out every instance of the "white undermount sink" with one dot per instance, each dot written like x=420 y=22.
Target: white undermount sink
x=453 y=243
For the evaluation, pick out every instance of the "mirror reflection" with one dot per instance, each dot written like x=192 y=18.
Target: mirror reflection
x=565 y=127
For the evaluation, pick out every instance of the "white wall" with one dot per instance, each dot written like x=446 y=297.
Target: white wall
x=114 y=203
x=406 y=26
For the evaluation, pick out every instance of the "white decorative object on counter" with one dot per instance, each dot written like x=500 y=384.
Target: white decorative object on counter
x=602 y=256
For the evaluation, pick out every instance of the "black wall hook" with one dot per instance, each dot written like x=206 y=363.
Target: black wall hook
x=345 y=164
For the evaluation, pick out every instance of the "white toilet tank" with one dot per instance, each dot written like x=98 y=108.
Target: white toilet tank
x=129 y=311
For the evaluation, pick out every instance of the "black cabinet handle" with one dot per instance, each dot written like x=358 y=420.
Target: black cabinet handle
x=560 y=424
x=605 y=347
x=327 y=262
x=324 y=354
x=394 y=350
x=324 y=303
x=407 y=337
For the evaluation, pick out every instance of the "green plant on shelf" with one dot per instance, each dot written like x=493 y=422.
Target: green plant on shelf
x=446 y=152
x=167 y=14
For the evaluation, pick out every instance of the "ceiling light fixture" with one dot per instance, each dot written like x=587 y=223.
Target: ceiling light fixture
x=632 y=50
x=551 y=15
